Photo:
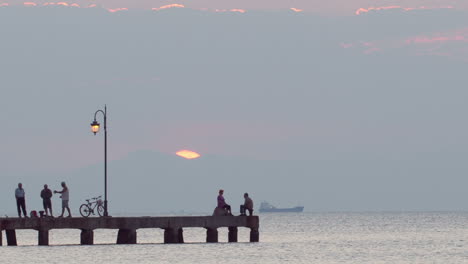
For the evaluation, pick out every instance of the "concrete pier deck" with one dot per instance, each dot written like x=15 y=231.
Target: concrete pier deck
x=127 y=226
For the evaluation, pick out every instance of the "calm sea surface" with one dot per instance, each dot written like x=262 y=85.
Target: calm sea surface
x=293 y=238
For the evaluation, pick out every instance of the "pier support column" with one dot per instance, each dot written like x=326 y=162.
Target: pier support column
x=180 y=235
x=254 y=235
x=43 y=237
x=211 y=235
x=11 y=237
x=87 y=237
x=232 y=235
x=173 y=235
x=127 y=236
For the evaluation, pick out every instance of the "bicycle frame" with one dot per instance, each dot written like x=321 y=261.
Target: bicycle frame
x=92 y=206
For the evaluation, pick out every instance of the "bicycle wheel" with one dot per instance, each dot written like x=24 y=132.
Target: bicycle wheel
x=100 y=210
x=84 y=210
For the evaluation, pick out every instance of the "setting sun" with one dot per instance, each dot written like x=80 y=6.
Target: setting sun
x=188 y=154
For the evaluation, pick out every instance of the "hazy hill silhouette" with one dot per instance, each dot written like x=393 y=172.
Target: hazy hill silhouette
x=147 y=181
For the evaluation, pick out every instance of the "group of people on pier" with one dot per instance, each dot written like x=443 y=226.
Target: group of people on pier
x=247 y=206
x=46 y=195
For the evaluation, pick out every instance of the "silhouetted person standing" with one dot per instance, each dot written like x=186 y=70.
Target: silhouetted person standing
x=65 y=197
x=20 y=200
x=46 y=195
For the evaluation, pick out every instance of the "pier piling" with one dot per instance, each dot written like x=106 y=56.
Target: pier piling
x=87 y=237
x=11 y=237
x=180 y=235
x=254 y=235
x=127 y=236
x=43 y=237
x=211 y=235
x=232 y=235
x=173 y=235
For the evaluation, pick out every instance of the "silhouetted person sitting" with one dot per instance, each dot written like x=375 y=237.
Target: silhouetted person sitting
x=20 y=200
x=222 y=203
x=46 y=195
x=248 y=205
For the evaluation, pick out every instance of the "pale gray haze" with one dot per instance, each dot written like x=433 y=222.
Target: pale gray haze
x=337 y=113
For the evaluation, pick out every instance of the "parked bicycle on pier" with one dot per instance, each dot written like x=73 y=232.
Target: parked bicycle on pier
x=91 y=204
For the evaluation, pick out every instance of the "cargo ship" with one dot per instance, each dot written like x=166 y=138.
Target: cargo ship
x=268 y=208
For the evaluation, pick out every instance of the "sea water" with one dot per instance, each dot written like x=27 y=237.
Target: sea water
x=388 y=237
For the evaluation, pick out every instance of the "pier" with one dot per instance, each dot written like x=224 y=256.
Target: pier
x=128 y=226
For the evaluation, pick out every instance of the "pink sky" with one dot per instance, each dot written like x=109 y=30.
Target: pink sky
x=204 y=137
x=317 y=6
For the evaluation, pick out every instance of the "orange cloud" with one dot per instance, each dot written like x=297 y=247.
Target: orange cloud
x=188 y=154
x=29 y=4
x=297 y=10
x=49 y=4
x=235 y=10
x=117 y=9
x=167 y=7
x=238 y=10
x=369 y=9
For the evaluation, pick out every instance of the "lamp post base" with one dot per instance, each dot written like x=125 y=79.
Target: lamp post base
x=106 y=213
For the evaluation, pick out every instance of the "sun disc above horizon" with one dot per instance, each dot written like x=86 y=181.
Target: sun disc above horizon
x=188 y=154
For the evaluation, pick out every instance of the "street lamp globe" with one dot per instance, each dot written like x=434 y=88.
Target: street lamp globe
x=95 y=127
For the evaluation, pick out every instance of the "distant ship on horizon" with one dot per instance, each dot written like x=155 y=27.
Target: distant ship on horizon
x=268 y=208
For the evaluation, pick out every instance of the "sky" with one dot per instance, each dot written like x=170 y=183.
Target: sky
x=331 y=108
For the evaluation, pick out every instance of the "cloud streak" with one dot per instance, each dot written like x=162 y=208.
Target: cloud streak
x=168 y=6
x=450 y=43
x=357 y=7
x=361 y=10
x=119 y=9
x=297 y=10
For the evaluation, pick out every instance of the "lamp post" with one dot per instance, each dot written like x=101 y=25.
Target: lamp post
x=95 y=128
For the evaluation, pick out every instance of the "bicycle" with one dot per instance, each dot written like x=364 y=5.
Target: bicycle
x=88 y=208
